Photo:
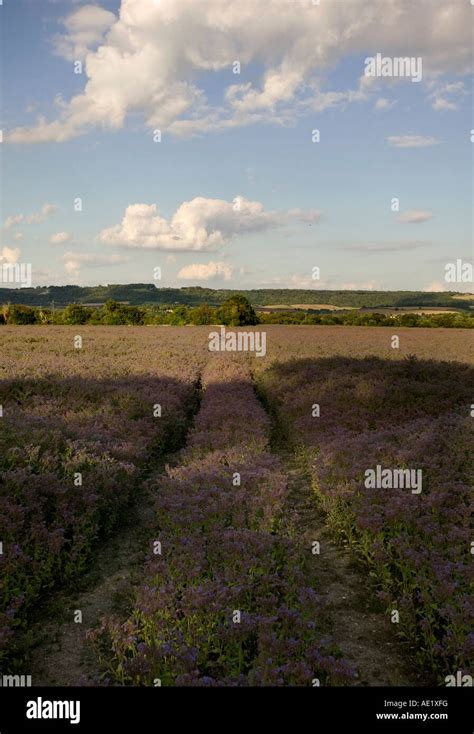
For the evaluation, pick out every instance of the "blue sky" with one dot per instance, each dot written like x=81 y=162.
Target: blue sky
x=152 y=65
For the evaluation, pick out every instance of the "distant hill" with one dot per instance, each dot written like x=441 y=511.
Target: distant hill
x=148 y=294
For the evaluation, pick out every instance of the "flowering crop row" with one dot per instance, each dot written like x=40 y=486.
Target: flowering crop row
x=74 y=451
x=226 y=598
x=405 y=414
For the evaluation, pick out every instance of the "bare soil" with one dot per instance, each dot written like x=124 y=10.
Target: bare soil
x=62 y=656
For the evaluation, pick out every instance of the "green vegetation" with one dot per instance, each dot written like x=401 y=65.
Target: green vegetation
x=18 y=314
x=142 y=294
x=235 y=311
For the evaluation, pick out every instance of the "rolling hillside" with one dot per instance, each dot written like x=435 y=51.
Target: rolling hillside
x=148 y=293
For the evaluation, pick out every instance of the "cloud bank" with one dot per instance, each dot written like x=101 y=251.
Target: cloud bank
x=171 y=47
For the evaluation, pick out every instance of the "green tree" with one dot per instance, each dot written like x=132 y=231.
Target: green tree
x=76 y=314
x=408 y=319
x=19 y=315
x=237 y=311
x=45 y=316
x=178 y=316
x=203 y=315
x=111 y=313
x=111 y=306
x=133 y=315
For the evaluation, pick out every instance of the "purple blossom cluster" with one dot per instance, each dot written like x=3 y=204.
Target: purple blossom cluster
x=398 y=414
x=55 y=428
x=227 y=600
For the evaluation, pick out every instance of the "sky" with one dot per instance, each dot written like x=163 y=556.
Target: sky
x=249 y=144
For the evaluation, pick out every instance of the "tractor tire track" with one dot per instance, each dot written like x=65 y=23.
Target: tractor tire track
x=363 y=634
x=61 y=655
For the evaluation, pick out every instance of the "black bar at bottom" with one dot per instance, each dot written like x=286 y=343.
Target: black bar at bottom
x=156 y=709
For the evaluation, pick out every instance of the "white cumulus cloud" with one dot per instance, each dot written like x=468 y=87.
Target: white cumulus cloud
x=206 y=271
x=9 y=255
x=60 y=238
x=155 y=57
x=84 y=30
x=200 y=224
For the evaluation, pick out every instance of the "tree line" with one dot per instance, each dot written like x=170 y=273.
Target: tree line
x=235 y=311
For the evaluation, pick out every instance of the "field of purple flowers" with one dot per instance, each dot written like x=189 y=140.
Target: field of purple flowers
x=74 y=450
x=227 y=598
x=228 y=595
x=413 y=414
